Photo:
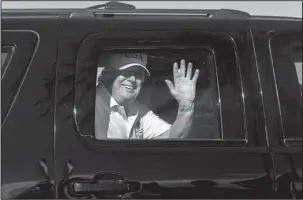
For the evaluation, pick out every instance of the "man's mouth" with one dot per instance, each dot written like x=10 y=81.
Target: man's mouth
x=130 y=87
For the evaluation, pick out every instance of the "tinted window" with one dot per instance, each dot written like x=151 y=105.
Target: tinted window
x=287 y=61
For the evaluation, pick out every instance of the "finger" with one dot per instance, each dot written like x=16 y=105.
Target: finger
x=189 y=70
x=175 y=71
x=182 y=67
x=169 y=85
x=196 y=75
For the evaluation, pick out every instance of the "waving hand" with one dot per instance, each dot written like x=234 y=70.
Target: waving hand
x=184 y=87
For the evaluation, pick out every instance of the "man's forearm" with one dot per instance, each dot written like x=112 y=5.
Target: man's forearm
x=183 y=122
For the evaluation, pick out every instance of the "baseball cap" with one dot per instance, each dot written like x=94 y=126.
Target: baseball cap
x=121 y=61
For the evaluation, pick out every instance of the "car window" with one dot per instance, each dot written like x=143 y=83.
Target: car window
x=6 y=55
x=159 y=106
x=19 y=48
x=287 y=62
x=132 y=93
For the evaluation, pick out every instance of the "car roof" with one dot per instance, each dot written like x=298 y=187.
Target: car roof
x=255 y=9
x=223 y=13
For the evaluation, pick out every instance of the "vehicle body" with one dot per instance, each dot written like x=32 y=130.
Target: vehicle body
x=44 y=154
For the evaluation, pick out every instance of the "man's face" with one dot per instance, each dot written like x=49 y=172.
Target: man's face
x=127 y=85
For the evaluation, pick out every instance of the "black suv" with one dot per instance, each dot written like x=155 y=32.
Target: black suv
x=246 y=137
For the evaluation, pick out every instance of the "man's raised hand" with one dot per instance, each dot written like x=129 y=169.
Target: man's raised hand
x=184 y=87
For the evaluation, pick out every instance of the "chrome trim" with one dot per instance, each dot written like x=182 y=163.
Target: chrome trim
x=260 y=86
x=26 y=72
x=277 y=91
x=241 y=85
x=13 y=47
x=290 y=140
x=276 y=85
x=219 y=97
x=154 y=14
x=276 y=18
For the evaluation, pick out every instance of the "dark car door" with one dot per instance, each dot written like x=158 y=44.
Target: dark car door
x=29 y=53
x=227 y=154
x=279 y=52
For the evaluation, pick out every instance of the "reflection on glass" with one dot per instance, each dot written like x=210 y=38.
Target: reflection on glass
x=3 y=58
x=145 y=96
x=299 y=71
x=6 y=54
x=299 y=74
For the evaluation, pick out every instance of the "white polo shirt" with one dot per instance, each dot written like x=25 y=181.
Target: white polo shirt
x=134 y=122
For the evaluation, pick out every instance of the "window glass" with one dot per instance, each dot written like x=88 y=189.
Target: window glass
x=6 y=55
x=135 y=93
x=145 y=107
x=287 y=60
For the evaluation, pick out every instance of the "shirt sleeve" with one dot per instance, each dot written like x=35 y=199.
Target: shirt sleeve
x=154 y=126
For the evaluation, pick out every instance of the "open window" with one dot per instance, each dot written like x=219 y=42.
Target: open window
x=218 y=102
x=286 y=51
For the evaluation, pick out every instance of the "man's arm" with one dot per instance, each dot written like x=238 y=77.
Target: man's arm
x=183 y=122
x=184 y=91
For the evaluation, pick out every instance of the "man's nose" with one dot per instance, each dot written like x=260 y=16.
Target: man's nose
x=132 y=78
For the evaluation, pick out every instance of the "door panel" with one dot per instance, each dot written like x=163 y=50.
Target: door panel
x=27 y=131
x=282 y=99
x=197 y=171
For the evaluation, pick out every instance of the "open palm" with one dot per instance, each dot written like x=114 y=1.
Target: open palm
x=184 y=87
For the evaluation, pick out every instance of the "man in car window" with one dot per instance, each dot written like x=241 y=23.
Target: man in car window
x=118 y=115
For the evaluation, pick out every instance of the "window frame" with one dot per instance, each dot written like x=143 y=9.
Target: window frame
x=24 y=55
x=11 y=53
x=187 y=142
x=286 y=141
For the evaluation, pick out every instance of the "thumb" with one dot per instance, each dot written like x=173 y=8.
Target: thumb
x=170 y=85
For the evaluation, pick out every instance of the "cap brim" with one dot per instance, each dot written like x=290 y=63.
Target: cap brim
x=133 y=65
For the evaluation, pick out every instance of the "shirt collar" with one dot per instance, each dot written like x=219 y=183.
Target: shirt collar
x=113 y=102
